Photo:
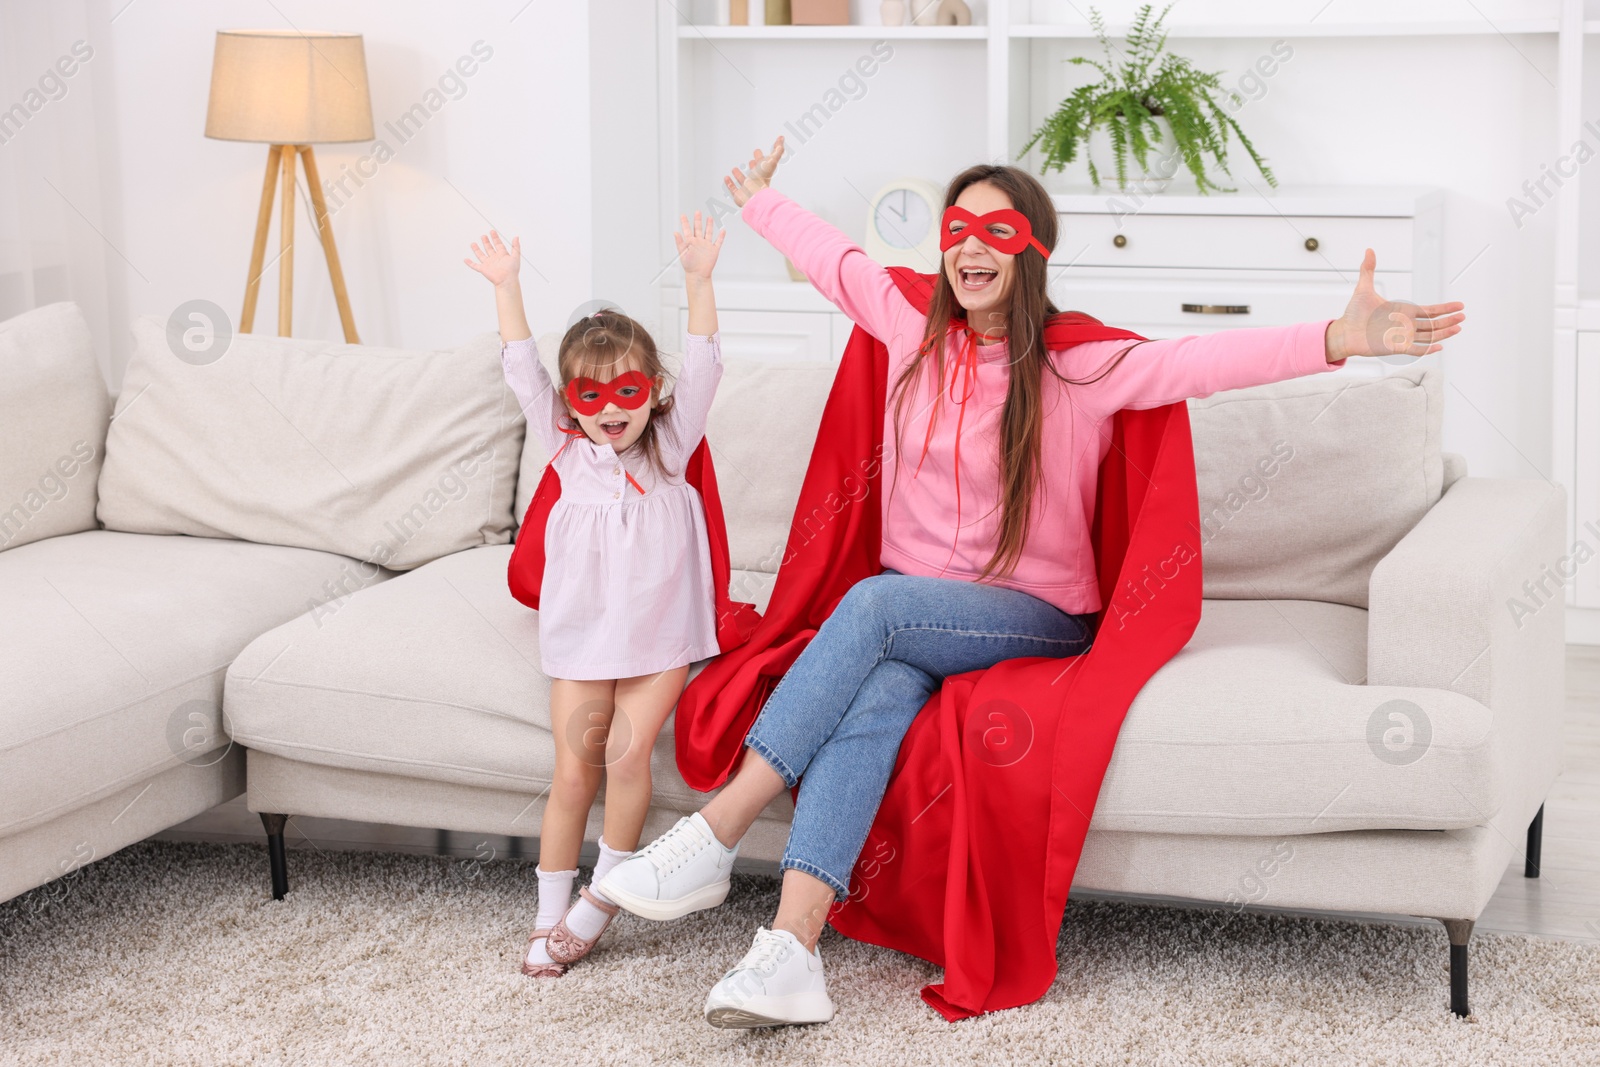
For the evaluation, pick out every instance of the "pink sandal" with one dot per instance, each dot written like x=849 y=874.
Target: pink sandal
x=566 y=947
x=541 y=970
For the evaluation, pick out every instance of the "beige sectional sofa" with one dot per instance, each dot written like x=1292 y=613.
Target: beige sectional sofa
x=1362 y=721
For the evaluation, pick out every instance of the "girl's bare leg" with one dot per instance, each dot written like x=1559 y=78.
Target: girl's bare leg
x=643 y=704
x=580 y=716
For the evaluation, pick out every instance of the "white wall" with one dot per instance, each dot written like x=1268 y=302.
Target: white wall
x=512 y=151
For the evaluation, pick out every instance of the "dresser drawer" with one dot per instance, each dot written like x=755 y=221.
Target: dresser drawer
x=1258 y=242
x=1225 y=302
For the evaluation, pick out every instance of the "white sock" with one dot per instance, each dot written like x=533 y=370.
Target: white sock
x=585 y=919
x=555 y=893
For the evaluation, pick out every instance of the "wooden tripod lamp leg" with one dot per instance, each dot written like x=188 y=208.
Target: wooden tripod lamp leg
x=252 y=287
x=286 y=244
x=319 y=215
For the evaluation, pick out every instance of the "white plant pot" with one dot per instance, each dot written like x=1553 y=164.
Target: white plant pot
x=1162 y=164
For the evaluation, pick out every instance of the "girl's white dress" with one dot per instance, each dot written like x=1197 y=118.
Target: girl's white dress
x=627 y=584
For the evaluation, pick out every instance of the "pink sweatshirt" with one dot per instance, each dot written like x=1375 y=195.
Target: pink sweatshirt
x=922 y=533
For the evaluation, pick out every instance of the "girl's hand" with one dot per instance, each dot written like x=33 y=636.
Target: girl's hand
x=495 y=261
x=696 y=250
x=1373 y=326
x=742 y=187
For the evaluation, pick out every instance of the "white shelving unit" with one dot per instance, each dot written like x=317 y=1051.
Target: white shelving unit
x=1009 y=37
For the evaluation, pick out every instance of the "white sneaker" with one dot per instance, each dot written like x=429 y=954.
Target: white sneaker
x=685 y=869
x=778 y=983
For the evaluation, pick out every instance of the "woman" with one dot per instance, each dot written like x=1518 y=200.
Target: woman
x=987 y=556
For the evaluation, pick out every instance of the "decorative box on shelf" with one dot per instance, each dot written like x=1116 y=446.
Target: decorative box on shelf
x=1164 y=266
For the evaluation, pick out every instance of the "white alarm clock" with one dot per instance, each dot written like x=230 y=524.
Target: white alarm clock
x=903 y=225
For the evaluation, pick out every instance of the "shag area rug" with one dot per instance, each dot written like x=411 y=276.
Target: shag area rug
x=173 y=953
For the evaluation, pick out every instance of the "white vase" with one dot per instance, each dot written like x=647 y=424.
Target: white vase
x=924 y=12
x=893 y=12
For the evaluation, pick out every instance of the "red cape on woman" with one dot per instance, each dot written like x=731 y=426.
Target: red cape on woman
x=973 y=850
x=525 y=572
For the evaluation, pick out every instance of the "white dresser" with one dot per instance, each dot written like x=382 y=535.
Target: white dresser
x=1163 y=266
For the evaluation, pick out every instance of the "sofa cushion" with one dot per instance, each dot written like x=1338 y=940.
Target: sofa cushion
x=386 y=455
x=762 y=427
x=1305 y=484
x=113 y=648
x=1263 y=724
x=53 y=428
x=534 y=454
x=434 y=675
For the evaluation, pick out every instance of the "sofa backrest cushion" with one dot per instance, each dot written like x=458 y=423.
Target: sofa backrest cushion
x=391 y=456
x=534 y=454
x=54 y=410
x=1305 y=484
x=762 y=427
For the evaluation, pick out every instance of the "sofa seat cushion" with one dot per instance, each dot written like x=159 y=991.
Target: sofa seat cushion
x=1263 y=725
x=110 y=645
x=434 y=674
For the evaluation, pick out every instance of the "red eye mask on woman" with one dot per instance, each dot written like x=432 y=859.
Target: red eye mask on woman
x=978 y=226
x=589 y=397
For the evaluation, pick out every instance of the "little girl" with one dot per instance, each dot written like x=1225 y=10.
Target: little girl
x=626 y=602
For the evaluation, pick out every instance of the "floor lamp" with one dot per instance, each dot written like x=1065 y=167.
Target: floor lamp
x=289 y=90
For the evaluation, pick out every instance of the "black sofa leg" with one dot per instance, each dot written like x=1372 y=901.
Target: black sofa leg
x=280 y=863
x=1530 y=868
x=1460 y=931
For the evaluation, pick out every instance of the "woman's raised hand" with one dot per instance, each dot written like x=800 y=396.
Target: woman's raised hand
x=743 y=186
x=1373 y=326
x=495 y=261
x=697 y=251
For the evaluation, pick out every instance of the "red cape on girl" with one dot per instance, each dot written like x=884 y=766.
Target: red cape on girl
x=525 y=573
x=973 y=850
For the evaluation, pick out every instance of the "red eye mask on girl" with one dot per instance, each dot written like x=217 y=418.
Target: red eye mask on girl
x=589 y=397
x=978 y=226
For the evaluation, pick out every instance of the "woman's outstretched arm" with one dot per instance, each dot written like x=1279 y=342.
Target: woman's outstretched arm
x=1154 y=373
x=838 y=267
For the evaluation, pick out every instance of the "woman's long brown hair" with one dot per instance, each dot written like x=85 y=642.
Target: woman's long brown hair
x=597 y=346
x=1022 y=418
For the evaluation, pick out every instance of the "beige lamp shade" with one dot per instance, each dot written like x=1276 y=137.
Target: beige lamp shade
x=287 y=87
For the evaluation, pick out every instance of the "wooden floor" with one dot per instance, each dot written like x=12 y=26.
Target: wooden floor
x=1564 y=902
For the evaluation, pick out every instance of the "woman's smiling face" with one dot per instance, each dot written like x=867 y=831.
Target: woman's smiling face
x=981 y=276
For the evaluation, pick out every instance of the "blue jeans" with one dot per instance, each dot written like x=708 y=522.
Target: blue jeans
x=837 y=717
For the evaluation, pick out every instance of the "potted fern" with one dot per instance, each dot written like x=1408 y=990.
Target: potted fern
x=1148 y=98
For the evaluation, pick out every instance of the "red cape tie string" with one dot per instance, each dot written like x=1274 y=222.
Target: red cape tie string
x=573 y=434
x=966 y=365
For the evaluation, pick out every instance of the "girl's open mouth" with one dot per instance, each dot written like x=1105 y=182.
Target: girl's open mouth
x=975 y=278
x=614 y=430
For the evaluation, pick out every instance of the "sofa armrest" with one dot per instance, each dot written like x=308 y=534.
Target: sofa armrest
x=1471 y=600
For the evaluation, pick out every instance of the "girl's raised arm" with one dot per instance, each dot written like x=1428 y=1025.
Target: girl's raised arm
x=701 y=372
x=519 y=356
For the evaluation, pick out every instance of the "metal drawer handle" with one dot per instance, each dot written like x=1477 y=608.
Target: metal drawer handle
x=1120 y=240
x=1311 y=244
x=1217 y=309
